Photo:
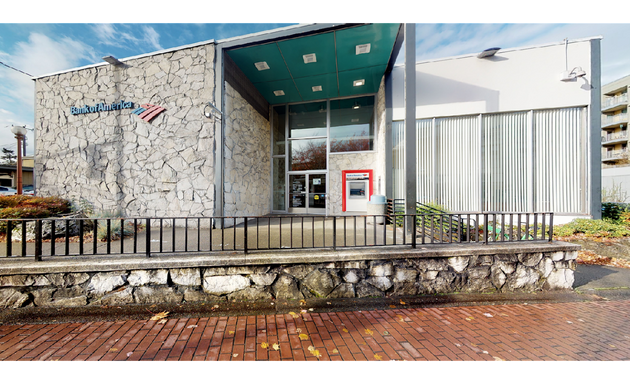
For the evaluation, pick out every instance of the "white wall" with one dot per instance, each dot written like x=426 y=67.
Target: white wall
x=513 y=80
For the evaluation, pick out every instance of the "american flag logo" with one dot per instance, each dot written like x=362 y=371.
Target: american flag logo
x=148 y=111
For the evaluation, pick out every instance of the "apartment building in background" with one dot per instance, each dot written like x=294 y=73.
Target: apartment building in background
x=615 y=159
x=615 y=123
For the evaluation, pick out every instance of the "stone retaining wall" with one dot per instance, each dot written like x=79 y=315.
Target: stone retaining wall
x=402 y=275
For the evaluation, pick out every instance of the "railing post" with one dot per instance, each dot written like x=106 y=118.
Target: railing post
x=9 y=240
x=38 y=240
x=551 y=227
x=413 y=232
x=148 y=238
x=244 y=234
x=335 y=234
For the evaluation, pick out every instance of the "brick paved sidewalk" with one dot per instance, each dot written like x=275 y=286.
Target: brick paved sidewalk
x=538 y=332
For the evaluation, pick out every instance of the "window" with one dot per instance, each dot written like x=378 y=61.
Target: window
x=352 y=124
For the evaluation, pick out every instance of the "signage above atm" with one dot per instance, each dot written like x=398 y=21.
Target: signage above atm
x=358 y=176
x=101 y=107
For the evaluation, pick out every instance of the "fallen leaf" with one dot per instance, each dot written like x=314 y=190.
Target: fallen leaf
x=612 y=345
x=368 y=332
x=302 y=302
x=159 y=316
x=310 y=309
x=192 y=326
x=345 y=330
x=570 y=322
x=470 y=318
x=276 y=346
x=231 y=332
x=294 y=315
x=298 y=330
x=402 y=302
x=235 y=355
x=264 y=345
x=314 y=351
x=378 y=357
x=335 y=350
x=163 y=321
x=129 y=354
x=303 y=311
x=498 y=358
x=303 y=336
x=328 y=302
x=113 y=350
x=487 y=315
x=392 y=306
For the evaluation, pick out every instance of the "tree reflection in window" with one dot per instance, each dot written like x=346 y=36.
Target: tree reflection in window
x=351 y=124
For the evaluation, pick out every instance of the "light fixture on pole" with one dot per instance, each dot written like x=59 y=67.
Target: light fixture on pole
x=19 y=132
x=575 y=72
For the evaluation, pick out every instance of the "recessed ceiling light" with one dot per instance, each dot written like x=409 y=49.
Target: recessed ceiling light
x=363 y=48
x=261 y=65
x=356 y=105
x=310 y=58
x=278 y=93
x=355 y=120
x=358 y=83
x=317 y=88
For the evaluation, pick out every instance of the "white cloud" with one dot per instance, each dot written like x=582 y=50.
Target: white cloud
x=37 y=56
x=115 y=36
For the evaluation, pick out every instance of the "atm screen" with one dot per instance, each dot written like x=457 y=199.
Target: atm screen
x=357 y=190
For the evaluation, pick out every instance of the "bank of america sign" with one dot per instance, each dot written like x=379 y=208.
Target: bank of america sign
x=148 y=111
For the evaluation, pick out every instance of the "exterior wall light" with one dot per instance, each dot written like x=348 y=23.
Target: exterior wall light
x=112 y=60
x=488 y=53
x=573 y=74
x=211 y=112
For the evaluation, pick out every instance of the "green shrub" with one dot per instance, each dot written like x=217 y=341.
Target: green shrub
x=594 y=228
x=612 y=211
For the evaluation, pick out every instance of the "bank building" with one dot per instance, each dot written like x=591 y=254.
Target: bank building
x=316 y=119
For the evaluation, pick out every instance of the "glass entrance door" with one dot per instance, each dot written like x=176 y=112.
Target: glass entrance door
x=307 y=193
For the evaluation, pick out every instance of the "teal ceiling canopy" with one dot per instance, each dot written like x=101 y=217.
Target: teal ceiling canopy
x=344 y=62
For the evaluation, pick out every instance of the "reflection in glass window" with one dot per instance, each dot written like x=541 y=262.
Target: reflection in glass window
x=278 y=183
x=307 y=120
x=308 y=154
x=352 y=124
x=279 y=116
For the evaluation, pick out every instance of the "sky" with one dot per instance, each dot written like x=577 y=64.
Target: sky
x=52 y=39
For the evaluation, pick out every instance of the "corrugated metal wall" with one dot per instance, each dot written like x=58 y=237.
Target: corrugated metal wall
x=509 y=162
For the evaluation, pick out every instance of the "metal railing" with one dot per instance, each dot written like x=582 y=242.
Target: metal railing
x=616 y=153
x=615 y=100
x=152 y=236
x=614 y=119
x=614 y=136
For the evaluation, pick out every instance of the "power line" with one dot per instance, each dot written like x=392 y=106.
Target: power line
x=15 y=69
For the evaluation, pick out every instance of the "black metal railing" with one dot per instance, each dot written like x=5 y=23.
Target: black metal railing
x=442 y=224
x=151 y=236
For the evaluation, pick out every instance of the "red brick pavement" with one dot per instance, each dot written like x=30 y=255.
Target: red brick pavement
x=559 y=331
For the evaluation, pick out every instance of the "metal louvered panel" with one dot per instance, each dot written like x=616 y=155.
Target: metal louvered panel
x=505 y=176
x=508 y=162
x=425 y=161
x=560 y=160
x=458 y=170
x=398 y=161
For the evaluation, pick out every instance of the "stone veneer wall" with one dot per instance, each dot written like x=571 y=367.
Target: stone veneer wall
x=402 y=275
x=246 y=156
x=115 y=160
